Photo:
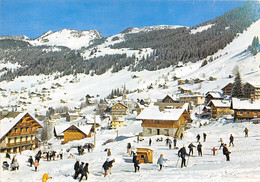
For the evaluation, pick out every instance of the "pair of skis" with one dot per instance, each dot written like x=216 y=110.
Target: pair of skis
x=179 y=159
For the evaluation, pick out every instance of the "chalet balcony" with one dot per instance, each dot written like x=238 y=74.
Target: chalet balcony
x=20 y=143
x=23 y=133
x=24 y=125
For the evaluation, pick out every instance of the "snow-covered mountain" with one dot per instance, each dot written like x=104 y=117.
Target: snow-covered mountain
x=72 y=39
x=74 y=88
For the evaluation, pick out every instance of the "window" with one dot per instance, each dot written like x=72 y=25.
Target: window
x=149 y=130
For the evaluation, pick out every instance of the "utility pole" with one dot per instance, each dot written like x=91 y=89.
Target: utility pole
x=95 y=131
x=199 y=113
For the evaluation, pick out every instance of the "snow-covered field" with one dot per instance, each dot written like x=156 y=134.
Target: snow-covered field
x=244 y=164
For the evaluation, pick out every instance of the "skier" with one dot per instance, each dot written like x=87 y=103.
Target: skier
x=15 y=165
x=182 y=153
x=170 y=144
x=36 y=164
x=39 y=155
x=76 y=168
x=181 y=136
x=214 y=150
x=136 y=163
x=226 y=152
x=48 y=155
x=7 y=155
x=167 y=141
x=30 y=160
x=221 y=143
x=12 y=162
x=246 y=132
x=108 y=152
x=129 y=148
x=108 y=165
x=191 y=148
x=61 y=153
x=204 y=137
x=174 y=141
x=150 y=141
x=160 y=161
x=199 y=148
x=84 y=172
x=231 y=140
x=198 y=137
x=45 y=177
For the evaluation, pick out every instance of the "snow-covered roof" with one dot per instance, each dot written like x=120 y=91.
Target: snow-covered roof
x=220 y=103
x=84 y=128
x=186 y=106
x=60 y=128
x=8 y=125
x=196 y=95
x=215 y=94
x=245 y=104
x=153 y=113
x=254 y=84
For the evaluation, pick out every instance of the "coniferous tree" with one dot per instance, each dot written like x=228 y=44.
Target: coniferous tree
x=237 y=89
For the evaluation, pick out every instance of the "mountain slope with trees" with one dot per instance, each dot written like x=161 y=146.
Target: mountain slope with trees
x=170 y=47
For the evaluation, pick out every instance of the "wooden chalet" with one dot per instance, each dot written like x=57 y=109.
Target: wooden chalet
x=195 y=99
x=20 y=133
x=184 y=90
x=118 y=110
x=245 y=109
x=75 y=132
x=251 y=90
x=213 y=95
x=169 y=122
x=116 y=123
x=219 y=108
x=168 y=102
x=227 y=90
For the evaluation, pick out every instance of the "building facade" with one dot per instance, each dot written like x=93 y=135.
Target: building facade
x=251 y=90
x=169 y=123
x=245 y=109
x=20 y=133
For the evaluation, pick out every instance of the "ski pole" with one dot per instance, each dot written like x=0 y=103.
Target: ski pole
x=188 y=160
x=177 y=162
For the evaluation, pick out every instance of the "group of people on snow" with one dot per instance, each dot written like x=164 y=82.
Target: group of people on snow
x=82 y=168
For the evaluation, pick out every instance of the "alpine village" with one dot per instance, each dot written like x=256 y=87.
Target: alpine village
x=147 y=104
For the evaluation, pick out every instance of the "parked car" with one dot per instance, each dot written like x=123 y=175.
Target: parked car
x=108 y=141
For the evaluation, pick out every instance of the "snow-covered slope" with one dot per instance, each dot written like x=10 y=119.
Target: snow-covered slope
x=105 y=49
x=242 y=167
x=152 y=28
x=73 y=93
x=70 y=38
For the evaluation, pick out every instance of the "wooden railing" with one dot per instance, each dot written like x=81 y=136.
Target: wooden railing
x=23 y=133
x=20 y=143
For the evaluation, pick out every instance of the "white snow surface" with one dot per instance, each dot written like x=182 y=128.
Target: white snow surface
x=152 y=28
x=201 y=28
x=243 y=166
x=70 y=38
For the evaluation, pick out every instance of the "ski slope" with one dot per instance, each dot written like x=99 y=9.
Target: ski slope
x=244 y=164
